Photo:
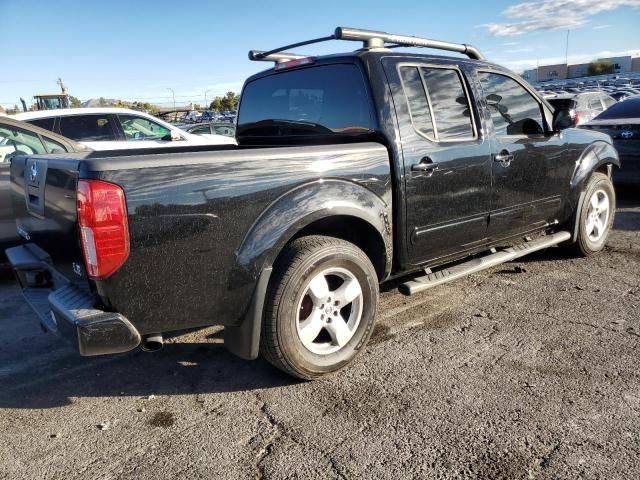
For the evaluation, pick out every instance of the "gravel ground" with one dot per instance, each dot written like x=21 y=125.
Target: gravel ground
x=528 y=370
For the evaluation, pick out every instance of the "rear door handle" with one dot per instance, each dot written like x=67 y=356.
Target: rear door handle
x=425 y=165
x=504 y=157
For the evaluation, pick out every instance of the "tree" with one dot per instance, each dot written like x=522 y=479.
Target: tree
x=74 y=102
x=228 y=102
x=601 y=67
x=216 y=104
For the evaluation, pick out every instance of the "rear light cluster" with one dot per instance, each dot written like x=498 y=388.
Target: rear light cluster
x=104 y=228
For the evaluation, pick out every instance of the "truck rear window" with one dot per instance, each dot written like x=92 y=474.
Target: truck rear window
x=316 y=101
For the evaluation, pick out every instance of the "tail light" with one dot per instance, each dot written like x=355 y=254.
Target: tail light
x=580 y=118
x=104 y=228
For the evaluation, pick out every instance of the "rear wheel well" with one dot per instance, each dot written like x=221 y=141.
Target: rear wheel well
x=353 y=230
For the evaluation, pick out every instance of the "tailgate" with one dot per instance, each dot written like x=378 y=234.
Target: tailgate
x=44 y=203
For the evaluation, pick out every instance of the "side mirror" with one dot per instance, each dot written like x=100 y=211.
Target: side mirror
x=172 y=136
x=563 y=119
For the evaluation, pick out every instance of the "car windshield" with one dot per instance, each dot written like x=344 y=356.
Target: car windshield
x=562 y=103
x=630 y=108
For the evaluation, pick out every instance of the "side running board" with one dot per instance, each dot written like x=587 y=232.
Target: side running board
x=478 y=264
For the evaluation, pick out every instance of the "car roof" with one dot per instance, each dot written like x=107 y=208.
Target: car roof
x=71 y=144
x=363 y=55
x=64 y=112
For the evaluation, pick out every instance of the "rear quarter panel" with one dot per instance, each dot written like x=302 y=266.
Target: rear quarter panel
x=203 y=225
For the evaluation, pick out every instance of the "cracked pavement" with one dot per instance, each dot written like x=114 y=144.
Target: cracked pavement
x=528 y=370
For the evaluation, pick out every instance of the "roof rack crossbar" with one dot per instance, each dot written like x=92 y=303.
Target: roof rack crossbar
x=371 y=39
x=278 y=55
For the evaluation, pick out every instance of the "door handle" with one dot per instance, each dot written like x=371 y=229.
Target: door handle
x=504 y=157
x=425 y=165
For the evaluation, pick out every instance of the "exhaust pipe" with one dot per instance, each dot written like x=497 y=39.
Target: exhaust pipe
x=152 y=342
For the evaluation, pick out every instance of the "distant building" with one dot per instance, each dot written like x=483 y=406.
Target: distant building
x=530 y=76
x=578 y=70
x=552 y=72
x=620 y=64
x=561 y=71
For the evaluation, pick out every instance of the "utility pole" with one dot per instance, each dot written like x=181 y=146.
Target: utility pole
x=62 y=87
x=205 y=99
x=173 y=94
x=566 y=51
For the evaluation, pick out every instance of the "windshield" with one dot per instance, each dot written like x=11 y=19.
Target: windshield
x=629 y=108
x=323 y=100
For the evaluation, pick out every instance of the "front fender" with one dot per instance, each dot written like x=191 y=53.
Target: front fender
x=593 y=157
x=306 y=204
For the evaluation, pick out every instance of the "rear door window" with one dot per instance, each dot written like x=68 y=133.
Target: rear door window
x=53 y=146
x=607 y=101
x=46 y=123
x=594 y=103
x=438 y=103
x=514 y=111
x=88 y=128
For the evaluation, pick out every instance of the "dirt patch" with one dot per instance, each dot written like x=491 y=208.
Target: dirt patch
x=162 y=420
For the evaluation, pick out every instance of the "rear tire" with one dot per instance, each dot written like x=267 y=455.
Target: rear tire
x=320 y=307
x=596 y=215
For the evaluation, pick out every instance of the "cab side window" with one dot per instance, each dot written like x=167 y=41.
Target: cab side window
x=140 y=128
x=88 y=128
x=438 y=104
x=513 y=109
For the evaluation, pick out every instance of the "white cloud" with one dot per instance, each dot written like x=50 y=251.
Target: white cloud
x=600 y=27
x=553 y=15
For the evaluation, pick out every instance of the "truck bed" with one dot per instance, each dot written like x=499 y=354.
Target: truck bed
x=202 y=223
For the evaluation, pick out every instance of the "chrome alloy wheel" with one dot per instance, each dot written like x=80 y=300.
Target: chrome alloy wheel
x=597 y=218
x=329 y=311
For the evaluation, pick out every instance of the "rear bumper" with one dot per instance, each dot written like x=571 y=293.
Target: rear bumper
x=67 y=309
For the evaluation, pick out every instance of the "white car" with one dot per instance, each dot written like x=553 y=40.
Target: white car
x=116 y=128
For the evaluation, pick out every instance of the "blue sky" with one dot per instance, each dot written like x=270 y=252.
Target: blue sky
x=138 y=49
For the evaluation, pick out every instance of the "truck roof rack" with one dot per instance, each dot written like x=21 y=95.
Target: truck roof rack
x=370 y=40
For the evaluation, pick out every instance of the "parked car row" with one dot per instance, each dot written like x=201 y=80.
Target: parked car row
x=117 y=128
x=209 y=116
x=211 y=128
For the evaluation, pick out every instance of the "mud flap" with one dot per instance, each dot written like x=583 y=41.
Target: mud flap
x=244 y=340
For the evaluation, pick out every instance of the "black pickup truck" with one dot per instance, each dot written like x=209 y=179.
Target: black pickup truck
x=350 y=170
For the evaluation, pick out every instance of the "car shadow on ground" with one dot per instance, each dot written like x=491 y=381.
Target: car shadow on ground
x=181 y=368
x=184 y=367
x=628 y=211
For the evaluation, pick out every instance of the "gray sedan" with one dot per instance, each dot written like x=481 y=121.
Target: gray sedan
x=20 y=138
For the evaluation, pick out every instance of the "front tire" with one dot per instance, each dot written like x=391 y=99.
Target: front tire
x=596 y=215
x=321 y=306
